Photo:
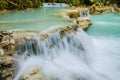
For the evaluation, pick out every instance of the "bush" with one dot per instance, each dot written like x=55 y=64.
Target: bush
x=19 y=4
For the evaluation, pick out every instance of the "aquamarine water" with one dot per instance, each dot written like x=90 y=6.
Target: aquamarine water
x=34 y=19
x=105 y=25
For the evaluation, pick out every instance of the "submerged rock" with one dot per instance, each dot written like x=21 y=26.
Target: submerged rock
x=84 y=22
x=33 y=73
x=70 y=13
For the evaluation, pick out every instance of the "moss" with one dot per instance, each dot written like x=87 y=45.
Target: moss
x=73 y=14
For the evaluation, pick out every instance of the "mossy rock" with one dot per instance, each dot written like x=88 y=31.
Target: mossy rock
x=73 y=14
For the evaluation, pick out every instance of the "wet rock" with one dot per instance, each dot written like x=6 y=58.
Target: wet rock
x=12 y=41
x=84 y=22
x=43 y=37
x=1 y=52
x=7 y=45
x=51 y=46
x=33 y=73
x=70 y=13
x=73 y=14
x=9 y=78
x=116 y=8
x=104 y=9
x=62 y=33
x=78 y=16
x=93 y=9
x=50 y=78
x=7 y=60
x=6 y=73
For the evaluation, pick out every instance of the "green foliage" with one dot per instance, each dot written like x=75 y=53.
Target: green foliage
x=117 y=2
x=92 y=1
x=24 y=4
x=105 y=2
x=19 y=4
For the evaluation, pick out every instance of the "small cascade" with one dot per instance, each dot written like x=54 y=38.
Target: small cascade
x=112 y=8
x=51 y=46
x=109 y=10
x=55 y=5
x=85 y=13
x=88 y=13
x=81 y=15
x=70 y=56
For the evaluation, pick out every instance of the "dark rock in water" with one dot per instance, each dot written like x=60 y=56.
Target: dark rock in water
x=32 y=74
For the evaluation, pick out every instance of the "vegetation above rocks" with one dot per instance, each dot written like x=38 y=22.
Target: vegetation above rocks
x=85 y=2
x=19 y=4
x=24 y=4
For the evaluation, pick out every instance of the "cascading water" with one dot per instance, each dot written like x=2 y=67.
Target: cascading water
x=85 y=13
x=112 y=8
x=72 y=57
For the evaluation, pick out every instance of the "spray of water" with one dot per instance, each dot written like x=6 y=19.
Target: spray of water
x=76 y=56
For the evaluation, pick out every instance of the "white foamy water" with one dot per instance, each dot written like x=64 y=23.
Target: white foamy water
x=55 y=5
x=107 y=23
x=85 y=14
x=74 y=57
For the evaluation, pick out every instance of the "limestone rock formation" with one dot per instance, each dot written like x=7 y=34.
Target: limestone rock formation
x=78 y=16
x=102 y=9
x=93 y=9
x=33 y=73
x=116 y=8
x=70 y=13
x=7 y=47
x=83 y=22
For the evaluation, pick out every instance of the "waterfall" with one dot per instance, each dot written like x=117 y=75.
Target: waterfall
x=75 y=56
x=88 y=13
x=81 y=15
x=85 y=13
x=112 y=8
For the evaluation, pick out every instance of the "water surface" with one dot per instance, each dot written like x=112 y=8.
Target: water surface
x=105 y=25
x=35 y=19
